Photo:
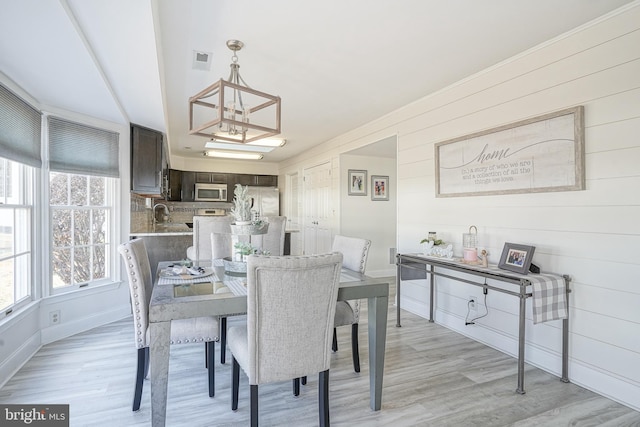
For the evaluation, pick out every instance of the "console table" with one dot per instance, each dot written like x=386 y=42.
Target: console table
x=415 y=265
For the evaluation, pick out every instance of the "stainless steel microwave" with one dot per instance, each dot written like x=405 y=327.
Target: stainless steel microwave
x=211 y=193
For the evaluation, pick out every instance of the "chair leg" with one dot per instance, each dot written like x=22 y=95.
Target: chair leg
x=140 y=371
x=211 y=371
x=334 y=344
x=235 y=383
x=146 y=366
x=354 y=347
x=296 y=387
x=254 y=404
x=304 y=380
x=323 y=398
x=223 y=340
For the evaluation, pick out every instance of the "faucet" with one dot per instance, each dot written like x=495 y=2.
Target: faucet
x=166 y=213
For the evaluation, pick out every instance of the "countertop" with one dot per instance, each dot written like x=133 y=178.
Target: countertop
x=168 y=229
x=174 y=229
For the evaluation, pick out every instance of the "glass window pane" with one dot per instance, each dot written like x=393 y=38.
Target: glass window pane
x=59 y=189
x=81 y=265
x=79 y=190
x=99 y=262
x=99 y=226
x=23 y=238
x=97 y=191
x=61 y=267
x=22 y=275
x=82 y=227
x=6 y=232
x=6 y=283
x=61 y=227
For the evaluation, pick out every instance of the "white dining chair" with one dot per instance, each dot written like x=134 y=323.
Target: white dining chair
x=355 y=252
x=197 y=330
x=291 y=303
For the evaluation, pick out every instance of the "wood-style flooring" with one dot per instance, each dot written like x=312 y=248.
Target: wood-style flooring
x=433 y=377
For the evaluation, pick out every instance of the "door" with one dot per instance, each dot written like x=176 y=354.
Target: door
x=293 y=214
x=317 y=209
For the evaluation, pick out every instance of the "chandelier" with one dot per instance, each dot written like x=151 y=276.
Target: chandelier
x=231 y=111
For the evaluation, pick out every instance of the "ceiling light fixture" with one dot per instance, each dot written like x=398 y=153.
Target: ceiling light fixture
x=233 y=155
x=229 y=110
x=238 y=147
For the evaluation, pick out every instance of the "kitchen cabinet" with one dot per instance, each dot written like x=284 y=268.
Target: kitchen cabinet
x=211 y=178
x=147 y=161
x=174 y=185
x=255 y=180
x=188 y=186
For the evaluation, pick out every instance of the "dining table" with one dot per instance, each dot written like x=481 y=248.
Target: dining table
x=217 y=293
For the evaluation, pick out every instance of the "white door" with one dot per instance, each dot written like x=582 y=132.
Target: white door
x=317 y=209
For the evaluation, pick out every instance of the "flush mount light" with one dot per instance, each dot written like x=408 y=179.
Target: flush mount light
x=233 y=155
x=231 y=111
x=238 y=147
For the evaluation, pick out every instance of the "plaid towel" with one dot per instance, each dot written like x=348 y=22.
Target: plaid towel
x=549 y=297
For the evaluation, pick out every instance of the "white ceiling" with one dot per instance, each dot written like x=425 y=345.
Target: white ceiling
x=337 y=64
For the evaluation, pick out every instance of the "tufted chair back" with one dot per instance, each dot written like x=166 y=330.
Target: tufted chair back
x=354 y=250
x=136 y=261
x=273 y=240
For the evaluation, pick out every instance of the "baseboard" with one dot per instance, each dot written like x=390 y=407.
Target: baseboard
x=12 y=364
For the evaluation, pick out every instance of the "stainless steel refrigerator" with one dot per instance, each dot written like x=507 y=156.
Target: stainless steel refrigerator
x=265 y=201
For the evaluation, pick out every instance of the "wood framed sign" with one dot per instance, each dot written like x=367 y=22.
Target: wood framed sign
x=541 y=154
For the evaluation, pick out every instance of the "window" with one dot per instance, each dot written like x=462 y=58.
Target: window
x=83 y=178
x=81 y=217
x=16 y=207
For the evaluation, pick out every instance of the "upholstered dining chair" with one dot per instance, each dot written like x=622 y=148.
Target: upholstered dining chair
x=355 y=252
x=196 y=330
x=283 y=341
x=203 y=226
x=273 y=240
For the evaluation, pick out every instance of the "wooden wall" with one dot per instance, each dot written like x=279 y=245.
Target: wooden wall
x=592 y=235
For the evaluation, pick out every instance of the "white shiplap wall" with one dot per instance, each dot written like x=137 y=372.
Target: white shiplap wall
x=592 y=235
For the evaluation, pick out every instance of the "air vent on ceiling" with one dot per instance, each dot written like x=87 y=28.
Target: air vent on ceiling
x=201 y=60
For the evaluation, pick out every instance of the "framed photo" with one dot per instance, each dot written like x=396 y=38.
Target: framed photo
x=357 y=182
x=379 y=187
x=516 y=258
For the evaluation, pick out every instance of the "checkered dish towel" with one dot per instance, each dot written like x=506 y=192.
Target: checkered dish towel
x=549 y=297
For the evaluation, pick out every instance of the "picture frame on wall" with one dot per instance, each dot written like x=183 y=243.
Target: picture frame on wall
x=516 y=258
x=379 y=187
x=357 y=182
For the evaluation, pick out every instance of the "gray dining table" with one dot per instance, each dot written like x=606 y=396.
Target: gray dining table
x=224 y=295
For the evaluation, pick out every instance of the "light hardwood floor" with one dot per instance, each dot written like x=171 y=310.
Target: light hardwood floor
x=433 y=377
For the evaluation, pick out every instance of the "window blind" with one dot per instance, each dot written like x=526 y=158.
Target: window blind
x=20 y=130
x=81 y=149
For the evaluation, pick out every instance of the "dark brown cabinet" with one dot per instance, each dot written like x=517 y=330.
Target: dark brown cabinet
x=147 y=161
x=253 y=180
x=211 y=178
x=188 y=186
x=174 y=185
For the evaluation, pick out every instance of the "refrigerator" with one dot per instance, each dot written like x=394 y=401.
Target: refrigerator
x=265 y=201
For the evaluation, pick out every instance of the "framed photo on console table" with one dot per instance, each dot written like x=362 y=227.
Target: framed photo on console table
x=516 y=258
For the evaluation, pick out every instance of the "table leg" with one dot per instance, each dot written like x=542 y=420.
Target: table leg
x=521 y=330
x=432 y=285
x=398 y=280
x=159 y=355
x=565 y=336
x=377 y=311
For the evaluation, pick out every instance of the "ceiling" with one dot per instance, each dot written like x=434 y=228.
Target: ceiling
x=336 y=64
